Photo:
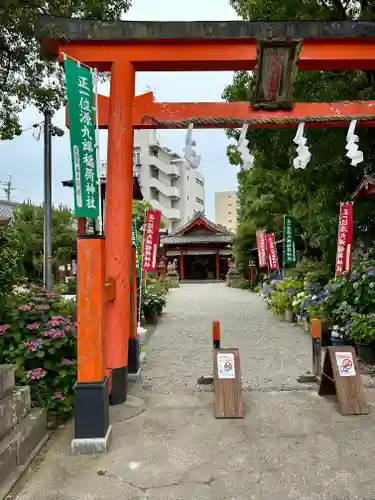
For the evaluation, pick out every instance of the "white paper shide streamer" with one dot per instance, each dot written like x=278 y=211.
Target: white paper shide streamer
x=304 y=155
x=190 y=154
x=352 y=147
x=243 y=147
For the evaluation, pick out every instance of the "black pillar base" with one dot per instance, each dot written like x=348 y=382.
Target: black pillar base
x=91 y=410
x=133 y=353
x=119 y=386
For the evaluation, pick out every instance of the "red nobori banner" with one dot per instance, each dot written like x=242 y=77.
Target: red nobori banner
x=151 y=240
x=345 y=239
x=272 y=252
x=262 y=248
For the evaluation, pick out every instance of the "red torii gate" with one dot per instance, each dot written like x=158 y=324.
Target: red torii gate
x=150 y=114
x=122 y=48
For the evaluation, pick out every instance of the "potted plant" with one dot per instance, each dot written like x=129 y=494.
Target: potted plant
x=338 y=337
x=362 y=332
x=150 y=306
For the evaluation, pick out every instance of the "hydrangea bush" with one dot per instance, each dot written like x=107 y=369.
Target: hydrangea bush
x=39 y=339
x=346 y=303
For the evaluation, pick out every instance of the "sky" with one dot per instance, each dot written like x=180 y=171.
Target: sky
x=23 y=157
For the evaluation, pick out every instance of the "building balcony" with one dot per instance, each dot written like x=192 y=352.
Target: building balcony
x=166 y=168
x=169 y=191
x=171 y=214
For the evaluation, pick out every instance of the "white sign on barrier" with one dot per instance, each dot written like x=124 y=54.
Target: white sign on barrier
x=225 y=365
x=345 y=364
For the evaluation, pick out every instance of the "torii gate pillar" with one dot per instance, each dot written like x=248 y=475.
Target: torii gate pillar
x=118 y=222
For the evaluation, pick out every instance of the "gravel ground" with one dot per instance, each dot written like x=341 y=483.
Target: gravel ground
x=273 y=354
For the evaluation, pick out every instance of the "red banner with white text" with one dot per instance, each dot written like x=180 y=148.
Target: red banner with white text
x=262 y=248
x=345 y=239
x=272 y=252
x=151 y=240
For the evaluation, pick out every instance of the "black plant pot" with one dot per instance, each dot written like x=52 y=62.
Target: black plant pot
x=366 y=352
x=338 y=342
x=326 y=337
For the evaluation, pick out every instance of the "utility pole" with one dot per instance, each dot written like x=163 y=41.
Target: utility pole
x=7 y=187
x=47 y=257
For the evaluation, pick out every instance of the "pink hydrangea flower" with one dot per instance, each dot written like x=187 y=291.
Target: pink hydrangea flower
x=25 y=308
x=54 y=333
x=43 y=307
x=59 y=395
x=4 y=328
x=36 y=374
x=33 y=345
x=66 y=362
x=33 y=326
x=57 y=321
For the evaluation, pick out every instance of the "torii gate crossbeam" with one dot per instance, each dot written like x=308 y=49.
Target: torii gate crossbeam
x=149 y=114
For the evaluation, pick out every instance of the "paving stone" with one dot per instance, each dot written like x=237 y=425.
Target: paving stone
x=273 y=354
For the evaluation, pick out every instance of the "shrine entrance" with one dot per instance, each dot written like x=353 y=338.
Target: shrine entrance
x=275 y=50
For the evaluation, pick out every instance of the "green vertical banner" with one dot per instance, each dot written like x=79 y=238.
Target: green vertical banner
x=289 y=245
x=135 y=243
x=81 y=116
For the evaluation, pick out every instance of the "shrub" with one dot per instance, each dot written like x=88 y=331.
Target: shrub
x=363 y=328
x=282 y=298
x=312 y=271
x=40 y=341
x=152 y=302
x=9 y=270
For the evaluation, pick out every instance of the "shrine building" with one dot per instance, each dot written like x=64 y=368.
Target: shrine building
x=201 y=248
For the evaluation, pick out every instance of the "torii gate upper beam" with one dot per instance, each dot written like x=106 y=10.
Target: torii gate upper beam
x=207 y=46
x=148 y=114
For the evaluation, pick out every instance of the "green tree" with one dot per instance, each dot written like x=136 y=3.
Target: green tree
x=272 y=187
x=139 y=210
x=10 y=253
x=28 y=76
x=26 y=228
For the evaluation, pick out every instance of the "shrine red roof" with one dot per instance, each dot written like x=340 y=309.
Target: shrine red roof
x=199 y=230
x=365 y=188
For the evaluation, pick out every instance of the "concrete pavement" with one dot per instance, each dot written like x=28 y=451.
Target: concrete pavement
x=166 y=445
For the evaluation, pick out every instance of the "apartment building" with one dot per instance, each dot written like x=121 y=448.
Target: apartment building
x=166 y=180
x=226 y=209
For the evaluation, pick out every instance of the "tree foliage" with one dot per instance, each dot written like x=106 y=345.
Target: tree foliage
x=28 y=76
x=272 y=187
x=26 y=229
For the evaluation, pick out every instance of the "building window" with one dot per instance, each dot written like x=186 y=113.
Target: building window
x=153 y=152
x=229 y=213
x=136 y=156
x=230 y=221
x=199 y=200
x=229 y=204
x=188 y=197
x=199 y=182
x=187 y=177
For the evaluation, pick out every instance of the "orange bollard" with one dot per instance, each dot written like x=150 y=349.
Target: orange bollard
x=216 y=334
x=316 y=334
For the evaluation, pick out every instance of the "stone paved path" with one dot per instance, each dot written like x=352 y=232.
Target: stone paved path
x=291 y=445
x=273 y=353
